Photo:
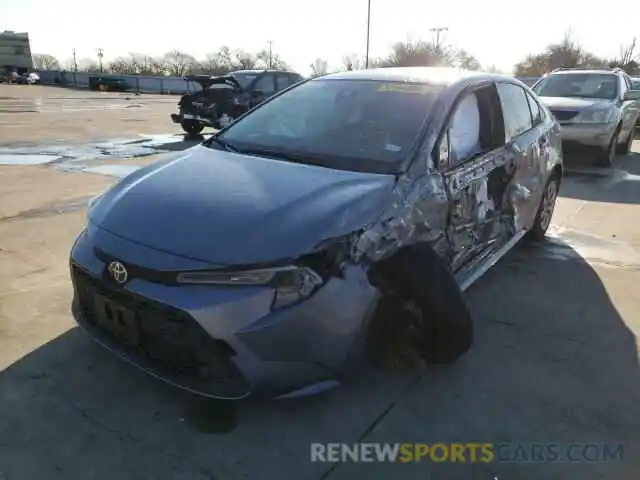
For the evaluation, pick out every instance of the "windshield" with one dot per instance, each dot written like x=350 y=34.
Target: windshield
x=588 y=85
x=244 y=79
x=360 y=125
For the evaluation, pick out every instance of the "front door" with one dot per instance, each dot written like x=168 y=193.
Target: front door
x=475 y=164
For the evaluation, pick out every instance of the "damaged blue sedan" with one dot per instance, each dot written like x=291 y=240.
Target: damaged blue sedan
x=277 y=256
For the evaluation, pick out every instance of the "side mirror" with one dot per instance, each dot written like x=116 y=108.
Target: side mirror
x=632 y=95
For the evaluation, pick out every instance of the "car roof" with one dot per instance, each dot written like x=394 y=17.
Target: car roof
x=433 y=75
x=590 y=72
x=258 y=71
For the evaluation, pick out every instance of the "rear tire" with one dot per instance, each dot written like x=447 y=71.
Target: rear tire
x=426 y=306
x=546 y=208
x=191 y=127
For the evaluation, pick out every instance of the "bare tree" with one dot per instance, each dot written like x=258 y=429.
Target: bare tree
x=214 y=65
x=419 y=54
x=567 y=53
x=352 y=61
x=628 y=59
x=270 y=60
x=319 y=67
x=88 y=65
x=463 y=59
x=179 y=63
x=44 y=61
x=122 y=66
x=243 y=60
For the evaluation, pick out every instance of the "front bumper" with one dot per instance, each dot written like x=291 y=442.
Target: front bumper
x=590 y=135
x=219 y=342
x=181 y=117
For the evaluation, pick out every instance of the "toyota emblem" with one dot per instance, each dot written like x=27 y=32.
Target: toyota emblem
x=118 y=272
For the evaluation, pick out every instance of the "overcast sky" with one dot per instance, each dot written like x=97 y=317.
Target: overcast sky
x=496 y=31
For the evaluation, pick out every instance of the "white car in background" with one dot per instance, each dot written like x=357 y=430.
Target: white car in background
x=33 y=78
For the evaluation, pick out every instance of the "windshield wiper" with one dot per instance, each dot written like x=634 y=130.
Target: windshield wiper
x=222 y=143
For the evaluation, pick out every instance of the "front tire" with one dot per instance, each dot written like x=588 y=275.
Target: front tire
x=625 y=148
x=426 y=306
x=606 y=156
x=191 y=127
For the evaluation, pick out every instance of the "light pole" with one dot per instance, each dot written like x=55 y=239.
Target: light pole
x=100 y=55
x=366 y=57
x=270 y=55
x=437 y=31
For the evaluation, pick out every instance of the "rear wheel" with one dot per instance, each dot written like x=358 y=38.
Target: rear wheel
x=191 y=127
x=546 y=208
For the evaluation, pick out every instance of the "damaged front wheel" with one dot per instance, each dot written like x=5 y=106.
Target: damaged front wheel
x=424 y=310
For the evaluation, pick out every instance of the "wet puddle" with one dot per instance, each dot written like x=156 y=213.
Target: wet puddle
x=91 y=157
x=26 y=159
x=58 y=208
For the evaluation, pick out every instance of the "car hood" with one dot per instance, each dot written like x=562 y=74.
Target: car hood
x=231 y=209
x=574 y=103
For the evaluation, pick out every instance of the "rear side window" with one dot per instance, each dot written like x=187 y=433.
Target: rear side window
x=282 y=81
x=295 y=78
x=515 y=110
x=534 y=106
x=265 y=84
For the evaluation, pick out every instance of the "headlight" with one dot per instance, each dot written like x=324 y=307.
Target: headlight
x=604 y=115
x=291 y=283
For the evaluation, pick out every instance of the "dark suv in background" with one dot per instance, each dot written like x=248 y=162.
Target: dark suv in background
x=222 y=99
x=597 y=109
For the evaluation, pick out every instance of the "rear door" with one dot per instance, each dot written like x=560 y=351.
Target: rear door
x=528 y=142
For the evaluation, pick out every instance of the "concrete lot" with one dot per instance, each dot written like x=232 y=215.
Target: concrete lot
x=555 y=358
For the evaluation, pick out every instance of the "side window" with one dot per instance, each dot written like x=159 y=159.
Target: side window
x=282 y=81
x=266 y=84
x=295 y=78
x=464 y=130
x=536 y=113
x=627 y=82
x=474 y=128
x=515 y=110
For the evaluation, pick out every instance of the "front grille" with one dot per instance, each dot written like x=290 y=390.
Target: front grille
x=563 y=115
x=168 y=337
